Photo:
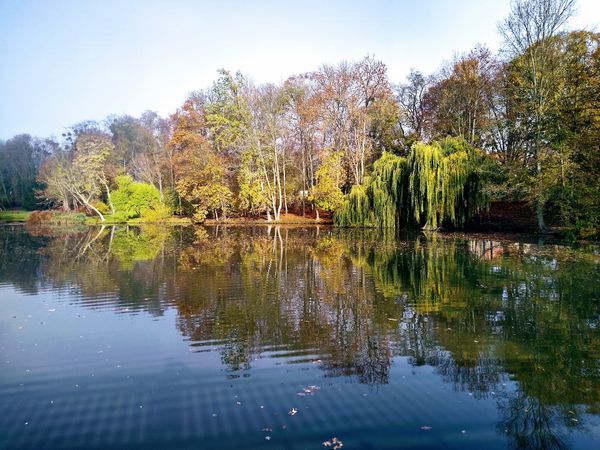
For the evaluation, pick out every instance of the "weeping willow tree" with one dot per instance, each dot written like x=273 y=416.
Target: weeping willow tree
x=381 y=199
x=438 y=182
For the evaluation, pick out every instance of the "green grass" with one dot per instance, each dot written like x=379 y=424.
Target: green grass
x=14 y=216
x=110 y=220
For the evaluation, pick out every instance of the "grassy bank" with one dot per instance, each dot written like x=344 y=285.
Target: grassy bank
x=14 y=216
x=110 y=220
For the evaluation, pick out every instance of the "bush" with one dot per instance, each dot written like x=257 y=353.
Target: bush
x=157 y=213
x=37 y=217
x=101 y=206
x=132 y=197
x=56 y=218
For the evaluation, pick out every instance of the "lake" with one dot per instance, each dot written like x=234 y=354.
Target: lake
x=296 y=338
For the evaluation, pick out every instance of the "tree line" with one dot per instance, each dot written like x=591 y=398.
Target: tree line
x=238 y=148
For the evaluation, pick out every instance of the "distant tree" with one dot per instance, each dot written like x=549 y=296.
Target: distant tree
x=20 y=159
x=268 y=146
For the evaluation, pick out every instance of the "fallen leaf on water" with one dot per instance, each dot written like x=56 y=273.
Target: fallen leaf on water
x=309 y=390
x=334 y=443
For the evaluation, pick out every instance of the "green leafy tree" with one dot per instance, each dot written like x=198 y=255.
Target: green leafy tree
x=252 y=195
x=327 y=194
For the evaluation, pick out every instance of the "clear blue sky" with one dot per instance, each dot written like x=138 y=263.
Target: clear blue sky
x=66 y=61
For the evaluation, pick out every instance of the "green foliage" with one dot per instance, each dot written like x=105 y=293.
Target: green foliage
x=380 y=200
x=227 y=113
x=14 y=216
x=101 y=206
x=439 y=182
x=252 y=196
x=330 y=176
x=157 y=213
x=356 y=209
x=132 y=244
x=133 y=198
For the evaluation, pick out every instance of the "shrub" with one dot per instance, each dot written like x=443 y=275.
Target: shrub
x=101 y=206
x=132 y=197
x=56 y=218
x=37 y=217
x=157 y=213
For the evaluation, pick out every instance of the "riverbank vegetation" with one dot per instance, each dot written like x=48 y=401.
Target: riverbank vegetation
x=345 y=140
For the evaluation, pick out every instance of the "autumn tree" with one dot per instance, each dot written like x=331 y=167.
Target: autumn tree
x=198 y=170
x=200 y=181
x=458 y=103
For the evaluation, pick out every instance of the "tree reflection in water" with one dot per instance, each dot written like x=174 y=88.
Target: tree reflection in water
x=482 y=312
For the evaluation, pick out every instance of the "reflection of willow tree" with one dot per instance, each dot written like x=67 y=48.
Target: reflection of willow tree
x=506 y=308
x=531 y=423
x=439 y=301
x=356 y=343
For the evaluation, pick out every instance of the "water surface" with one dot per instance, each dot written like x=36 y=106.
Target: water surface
x=284 y=338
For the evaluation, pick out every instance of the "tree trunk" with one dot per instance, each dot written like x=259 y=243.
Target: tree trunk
x=90 y=206
x=539 y=207
x=108 y=198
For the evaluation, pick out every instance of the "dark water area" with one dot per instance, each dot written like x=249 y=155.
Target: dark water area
x=285 y=338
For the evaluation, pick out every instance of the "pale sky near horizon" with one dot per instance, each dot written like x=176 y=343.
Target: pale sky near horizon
x=65 y=61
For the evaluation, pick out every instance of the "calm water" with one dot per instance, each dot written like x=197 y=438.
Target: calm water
x=284 y=338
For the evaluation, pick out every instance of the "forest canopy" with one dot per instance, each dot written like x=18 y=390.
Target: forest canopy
x=519 y=126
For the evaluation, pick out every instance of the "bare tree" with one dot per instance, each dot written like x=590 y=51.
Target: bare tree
x=411 y=98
